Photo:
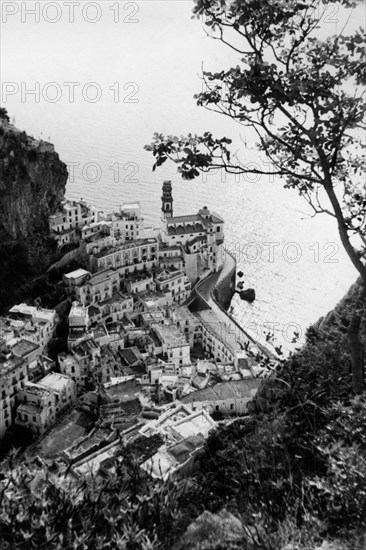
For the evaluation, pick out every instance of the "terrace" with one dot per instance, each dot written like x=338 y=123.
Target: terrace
x=170 y=336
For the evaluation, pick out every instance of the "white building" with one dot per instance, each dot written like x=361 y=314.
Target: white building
x=38 y=324
x=73 y=215
x=41 y=403
x=200 y=236
x=187 y=323
x=63 y=387
x=174 y=346
x=183 y=433
x=174 y=283
x=128 y=257
x=81 y=363
x=78 y=323
x=127 y=224
x=37 y=408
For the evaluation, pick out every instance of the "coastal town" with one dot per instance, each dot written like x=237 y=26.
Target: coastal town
x=153 y=359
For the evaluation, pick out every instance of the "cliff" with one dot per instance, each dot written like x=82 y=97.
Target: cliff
x=32 y=184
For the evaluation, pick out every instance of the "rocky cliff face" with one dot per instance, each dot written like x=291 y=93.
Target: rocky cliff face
x=32 y=183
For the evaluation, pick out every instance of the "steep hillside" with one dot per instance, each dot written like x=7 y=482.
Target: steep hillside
x=32 y=183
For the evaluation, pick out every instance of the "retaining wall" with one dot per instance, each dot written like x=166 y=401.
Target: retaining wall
x=225 y=286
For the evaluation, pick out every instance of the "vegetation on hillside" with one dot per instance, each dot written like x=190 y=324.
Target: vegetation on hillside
x=293 y=471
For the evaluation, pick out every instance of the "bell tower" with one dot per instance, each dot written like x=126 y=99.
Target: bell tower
x=167 y=200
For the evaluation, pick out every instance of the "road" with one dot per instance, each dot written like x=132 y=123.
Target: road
x=218 y=316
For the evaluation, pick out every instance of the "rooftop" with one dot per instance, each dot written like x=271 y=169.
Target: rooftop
x=237 y=389
x=76 y=274
x=9 y=365
x=168 y=275
x=74 y=425
x=170 y=335
x=183 y=219
x=123 y=391
x=85 y=347
x=130 y=356
x=182 y=313
x=101 y=276
x=23 y=348
x=32 y=311
x=36 y=389
x=199 y=217
x=183 y=449
x=125 y=246
x=130 y=205
x=199 y=422
x=153 y=316
x=93 y=309
x=181 y=230
x=55 y=381
x=77 y=310
x=116 y=297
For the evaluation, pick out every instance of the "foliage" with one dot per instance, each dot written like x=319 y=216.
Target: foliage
x=126 y=512
x=4 y=114
x=293 y=471
x=302 y=97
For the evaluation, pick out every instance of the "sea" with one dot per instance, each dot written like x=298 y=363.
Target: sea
x=97 y=79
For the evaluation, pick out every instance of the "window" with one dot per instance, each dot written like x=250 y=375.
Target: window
x=217 y=408
x=231 y=406
x=218 y=229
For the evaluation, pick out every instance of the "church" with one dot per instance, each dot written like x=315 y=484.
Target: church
x=196 y=239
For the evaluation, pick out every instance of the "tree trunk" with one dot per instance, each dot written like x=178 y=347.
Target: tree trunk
x=355 y=323
x=343 y=232
x=356 y=345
